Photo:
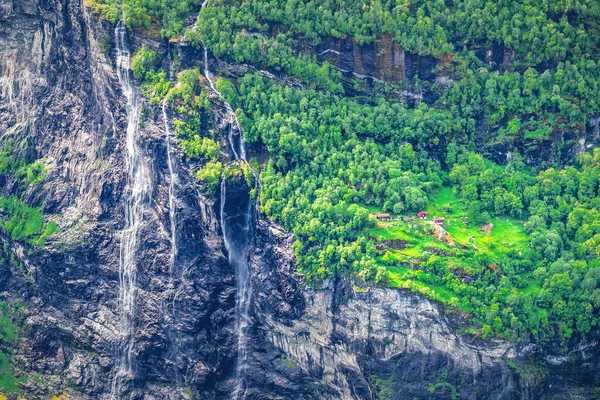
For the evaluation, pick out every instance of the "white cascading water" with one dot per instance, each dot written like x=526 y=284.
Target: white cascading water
x=140 y=189
x=171 y=355
x=241 y=155
x=171 y=75
x=172 y=182
x=237 y=249
x=236 y=235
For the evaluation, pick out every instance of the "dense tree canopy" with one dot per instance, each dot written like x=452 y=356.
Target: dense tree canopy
x=516 y=75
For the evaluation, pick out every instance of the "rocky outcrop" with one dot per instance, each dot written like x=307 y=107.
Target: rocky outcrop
x=333 y=341
x=351 y=340
x=383 y=59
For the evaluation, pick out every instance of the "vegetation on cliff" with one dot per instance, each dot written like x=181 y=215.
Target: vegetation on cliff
x=547 y=80
x=11 y=315
x=527 y=262
x=19 y=220
x=333 y=161
x=521 y=246
x=159 y=17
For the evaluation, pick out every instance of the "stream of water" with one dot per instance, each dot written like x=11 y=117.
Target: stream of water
x=137 y=199
x=236 y=224
x=172 y=183
x=240 y=152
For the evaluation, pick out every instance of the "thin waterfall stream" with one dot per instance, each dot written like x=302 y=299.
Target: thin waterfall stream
x=241 y=153
x=236 y=224
x=138 y=198
x=170 y=315
x=172 y=182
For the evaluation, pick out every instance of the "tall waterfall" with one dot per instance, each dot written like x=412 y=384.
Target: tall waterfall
x=237 y=232
x=172 y=182
x=138 y=197
x=169 y=314
x=236 y=223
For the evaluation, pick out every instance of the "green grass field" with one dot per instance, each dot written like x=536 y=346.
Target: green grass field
x=406 y=267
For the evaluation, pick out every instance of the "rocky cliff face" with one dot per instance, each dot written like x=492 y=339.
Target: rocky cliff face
x=333 y=341
x=364 y=344
x=60 y=97
x=383 y=59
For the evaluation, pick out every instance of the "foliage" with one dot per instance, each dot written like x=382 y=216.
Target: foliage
x=563 y=294
x=21 y=171
x=540 y=31
x=544 y=84
x=9 y=329
x=24 y=222
x=197 y=147
x=210 y=175
x=143 y=61
x=331 y=157
x=8 y=381
x=289 y=363
x=217 y=30
x=525 y=262
x=154 y=82
x=108 y=9
x=310 y=136
x=228 y=90
x=146 y=14
x=19 y=220
x=190 y=102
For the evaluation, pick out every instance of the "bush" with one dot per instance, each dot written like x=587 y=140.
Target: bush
x=143 y=61
x=210 y=175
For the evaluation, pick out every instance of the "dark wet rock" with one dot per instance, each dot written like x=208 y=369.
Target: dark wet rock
x=384 y=59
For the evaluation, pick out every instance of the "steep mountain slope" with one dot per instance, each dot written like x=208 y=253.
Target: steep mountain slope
x=64 y=109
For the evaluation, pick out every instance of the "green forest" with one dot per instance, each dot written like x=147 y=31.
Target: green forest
x=520 y=254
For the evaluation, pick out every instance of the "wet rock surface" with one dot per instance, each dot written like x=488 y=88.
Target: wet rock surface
x=60 y=97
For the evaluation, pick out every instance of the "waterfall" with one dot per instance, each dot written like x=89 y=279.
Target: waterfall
x=172 y=181
x=206 y=71
x=139 y=191
x=241 y=154
x=236 y=225
x=170 y=58
x=231 y=143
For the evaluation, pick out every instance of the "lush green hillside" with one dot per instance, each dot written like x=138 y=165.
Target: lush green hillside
x=163 y=17
x=17 y=219
x=521 y=250
x=545 y=83
x=535 y=270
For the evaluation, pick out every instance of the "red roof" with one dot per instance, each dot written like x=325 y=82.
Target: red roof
x=422 y=214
